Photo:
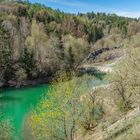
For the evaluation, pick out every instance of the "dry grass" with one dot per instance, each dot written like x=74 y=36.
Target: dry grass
x=115 y=125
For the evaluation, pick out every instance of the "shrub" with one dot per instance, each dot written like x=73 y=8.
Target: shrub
x=63 y=111
x=6 y=130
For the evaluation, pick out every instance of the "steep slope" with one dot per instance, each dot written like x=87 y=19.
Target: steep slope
x=40 y=41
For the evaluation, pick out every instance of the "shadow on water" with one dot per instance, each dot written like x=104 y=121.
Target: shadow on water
x=9 y=99
x=97 y=74
x=100 y=76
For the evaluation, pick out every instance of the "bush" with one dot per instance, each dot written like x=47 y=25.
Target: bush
x=63 y=111
x=6 y=131
x=126 y=81
x=22 y=11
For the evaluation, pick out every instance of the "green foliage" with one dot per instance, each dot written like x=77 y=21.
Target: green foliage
x=108 y=20
x=27 y=62
x=75 y=50
x=5 y=54
x=42 y=41
x=22 y=11
x=6 y=131
x=71 y=56
x=125 y=81
x=64 y=110
x=94 y=33
x=20 y=76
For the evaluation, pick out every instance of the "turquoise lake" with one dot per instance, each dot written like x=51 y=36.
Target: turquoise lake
x=15 y=104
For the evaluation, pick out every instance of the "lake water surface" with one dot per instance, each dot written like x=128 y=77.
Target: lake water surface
x=15 y=104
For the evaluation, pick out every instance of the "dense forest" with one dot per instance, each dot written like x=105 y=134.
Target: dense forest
x=41 y=45
x=37 y=41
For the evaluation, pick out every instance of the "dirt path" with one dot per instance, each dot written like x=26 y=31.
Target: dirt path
x=105 y=68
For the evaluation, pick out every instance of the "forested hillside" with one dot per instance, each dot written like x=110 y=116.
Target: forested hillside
x=36 y=41
x=41 y=45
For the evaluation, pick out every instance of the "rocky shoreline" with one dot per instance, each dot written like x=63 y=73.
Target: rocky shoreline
x=27 y=83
